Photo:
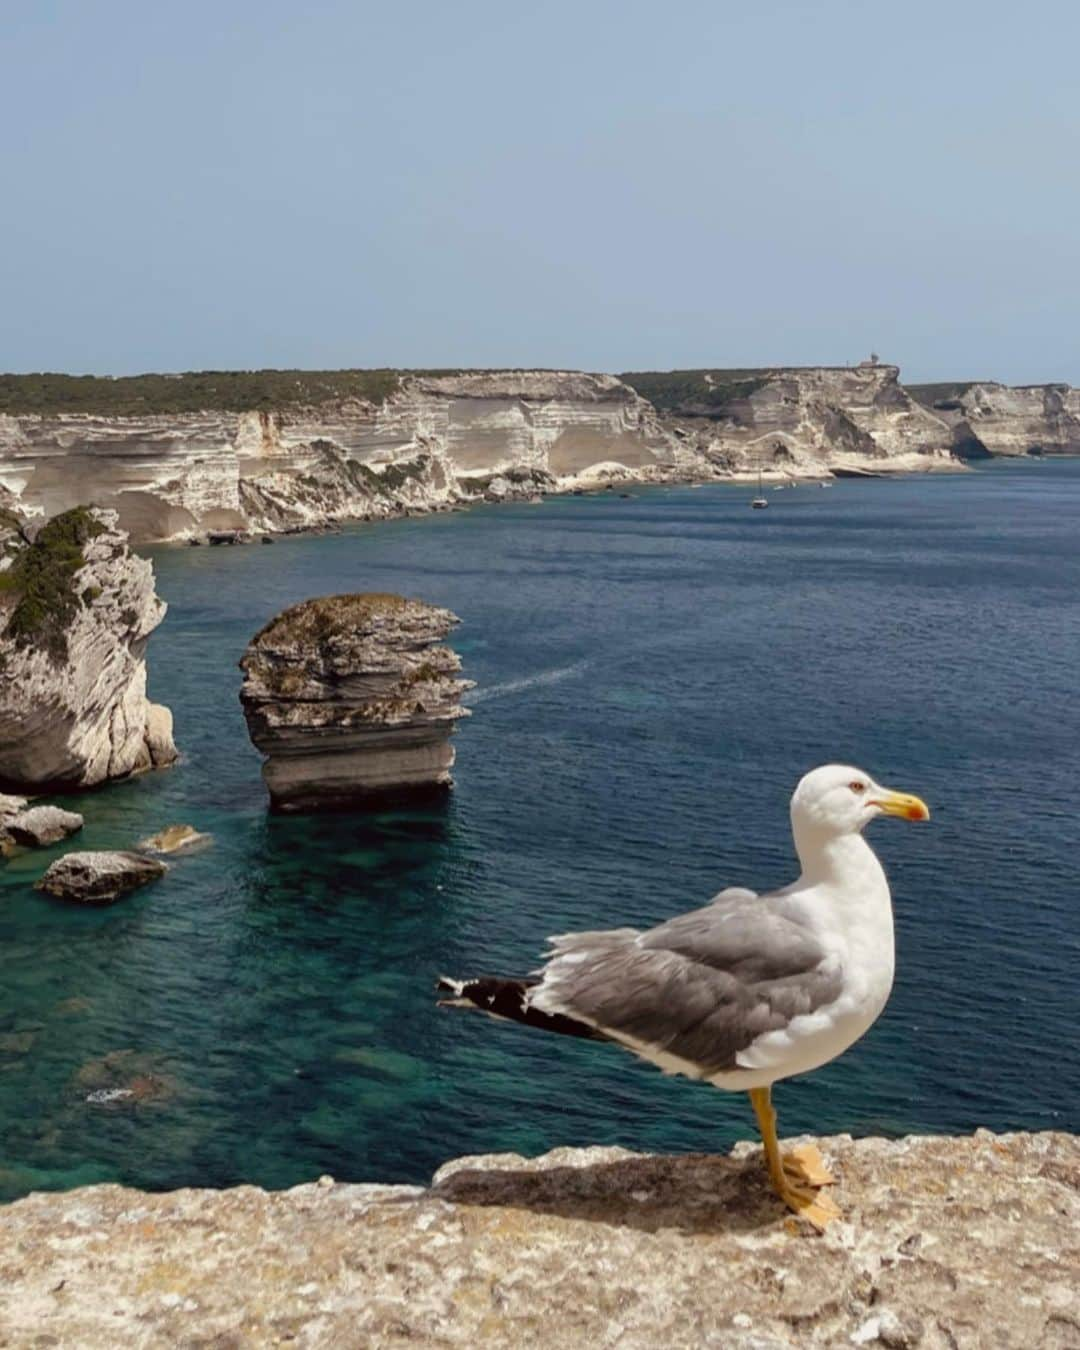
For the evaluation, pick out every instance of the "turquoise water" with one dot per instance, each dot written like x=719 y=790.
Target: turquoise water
x=653 y=676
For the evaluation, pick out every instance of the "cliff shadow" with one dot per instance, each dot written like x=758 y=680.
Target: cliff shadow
x=691 y=1194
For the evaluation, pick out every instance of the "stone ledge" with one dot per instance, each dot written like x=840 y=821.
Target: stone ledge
x=946 y=1242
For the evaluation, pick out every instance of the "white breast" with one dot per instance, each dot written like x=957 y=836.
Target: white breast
x=851 y=914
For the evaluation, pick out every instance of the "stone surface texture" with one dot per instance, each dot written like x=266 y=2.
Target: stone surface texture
x=946 y=1244
x=85 y=718
x=42 y=825
x=440 y=441
x=99 y=878
x=352 y=698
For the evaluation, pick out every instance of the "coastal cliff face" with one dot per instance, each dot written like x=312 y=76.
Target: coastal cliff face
x=76 y=609
x=810 y=422
x=946 y=1244
x=999 y=419
x=433 y=441
x=353 y=698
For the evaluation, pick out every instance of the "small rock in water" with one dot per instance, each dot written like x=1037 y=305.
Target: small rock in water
x=42 y=825
x=106 y=1096
x=174 y=839
x=99 y=878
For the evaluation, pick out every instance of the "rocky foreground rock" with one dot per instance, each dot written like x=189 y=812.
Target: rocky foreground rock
x=353 y=699
x=99 y=877
x=76 y=610
x=947 y=1244
x=39 y=826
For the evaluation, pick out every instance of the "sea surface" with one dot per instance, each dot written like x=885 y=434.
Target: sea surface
x=653 y=676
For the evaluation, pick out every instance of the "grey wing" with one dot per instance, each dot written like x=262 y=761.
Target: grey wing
x=700 y=988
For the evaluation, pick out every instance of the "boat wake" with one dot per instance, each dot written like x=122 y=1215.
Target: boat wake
x=527 y=682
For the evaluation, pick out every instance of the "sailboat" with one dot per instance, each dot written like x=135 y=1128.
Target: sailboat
x=760 y=501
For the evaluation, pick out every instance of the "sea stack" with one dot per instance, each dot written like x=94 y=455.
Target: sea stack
x=76 y=609
x=353 y=700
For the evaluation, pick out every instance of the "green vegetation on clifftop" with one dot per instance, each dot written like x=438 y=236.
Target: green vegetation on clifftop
x=700 y=393
x=41 y=579
x=196 y=391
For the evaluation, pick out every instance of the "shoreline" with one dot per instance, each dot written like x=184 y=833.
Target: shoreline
x=622 y=487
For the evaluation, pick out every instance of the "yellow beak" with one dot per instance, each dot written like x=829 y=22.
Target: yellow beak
x=901 y=804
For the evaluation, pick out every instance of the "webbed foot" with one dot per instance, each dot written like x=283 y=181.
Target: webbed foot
x=805 y=1166
x=813 y=1205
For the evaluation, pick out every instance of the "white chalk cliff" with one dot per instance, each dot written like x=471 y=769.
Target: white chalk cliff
x=816 y=421
x=76 y=609
x=438 y=440
x=1001 y=419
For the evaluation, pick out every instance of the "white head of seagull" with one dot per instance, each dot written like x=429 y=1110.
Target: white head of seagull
x=831 y=807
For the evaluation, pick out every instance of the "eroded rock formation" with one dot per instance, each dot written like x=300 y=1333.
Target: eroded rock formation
x=353 y=698
x=76 y=609
x=99 y=878
x=1000 y=419
x=808 y=422
x=947 y=1243
x=40 y=826
x=433 y=441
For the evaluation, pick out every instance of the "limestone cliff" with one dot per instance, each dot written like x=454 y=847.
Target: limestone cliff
x=352 y=698
x=947 y=1244
x=433 y=440
x=76 y=609
x=802 y=422
x=1000 y=419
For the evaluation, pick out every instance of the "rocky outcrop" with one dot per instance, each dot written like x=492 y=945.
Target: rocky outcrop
x=1000 y=419
x=353 y=698
x=947 y=1244
x=803 y=422
x=42 y=825
x=99 y=878
x=76 y=609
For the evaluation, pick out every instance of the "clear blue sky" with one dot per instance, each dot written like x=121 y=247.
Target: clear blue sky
x=606 y=184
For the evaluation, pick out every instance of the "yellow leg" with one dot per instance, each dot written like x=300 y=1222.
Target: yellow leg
x=806 y=1202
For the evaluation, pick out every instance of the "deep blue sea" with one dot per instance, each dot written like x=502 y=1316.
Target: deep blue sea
x=653 y=676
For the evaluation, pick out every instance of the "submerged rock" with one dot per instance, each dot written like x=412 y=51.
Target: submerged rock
x=352 y=698
x=124 y=1077
x=99 y=878
x=174 y=839
x=42 y=825
x=962 y=1242
x=76 y=609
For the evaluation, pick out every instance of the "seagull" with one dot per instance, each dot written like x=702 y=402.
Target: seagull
x=749 y=989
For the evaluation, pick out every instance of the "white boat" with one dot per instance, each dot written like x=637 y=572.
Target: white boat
x=760 y=501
